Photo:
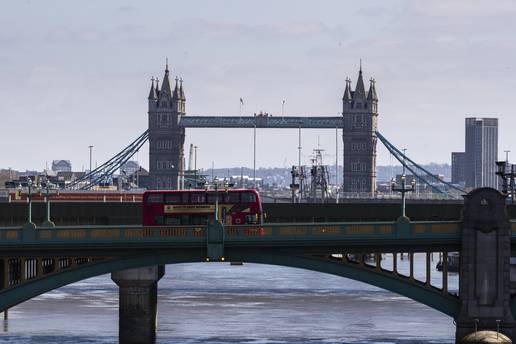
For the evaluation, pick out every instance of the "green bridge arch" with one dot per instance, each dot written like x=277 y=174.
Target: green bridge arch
x=416 y=291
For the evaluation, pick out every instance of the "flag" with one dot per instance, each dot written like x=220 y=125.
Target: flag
x=241 y=101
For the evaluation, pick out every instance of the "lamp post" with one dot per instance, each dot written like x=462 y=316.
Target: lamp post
x=254 y=154
x=300 y=172
x=403 y=189
x=216 y=186
x=29 y=195
x=195 y=166
x=90 y=147
x=47 y=222
x=507 y=185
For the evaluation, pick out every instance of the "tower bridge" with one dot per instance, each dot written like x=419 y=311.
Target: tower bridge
x=168 y=121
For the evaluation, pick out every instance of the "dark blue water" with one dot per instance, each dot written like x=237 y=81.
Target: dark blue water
x=219 y=303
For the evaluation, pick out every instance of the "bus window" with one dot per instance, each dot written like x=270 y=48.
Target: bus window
x=158 y=219
x=233 y=197
x=248 y=197
x=197 y=198
x=212 y=196
x=173 y=198
x=172 y=220
x=155 y=198
x=198 y=219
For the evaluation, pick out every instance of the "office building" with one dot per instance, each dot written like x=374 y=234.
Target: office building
x=481 y=152
x=458 y=164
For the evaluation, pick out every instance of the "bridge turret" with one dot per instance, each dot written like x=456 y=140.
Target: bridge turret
x=372 y=98
x=359 y=96
x=165 y=94
x=347 y=98
x=153 y=96
x=176 y=99
x=182 y=97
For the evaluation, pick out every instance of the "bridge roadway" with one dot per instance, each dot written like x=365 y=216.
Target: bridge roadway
x=116 y=213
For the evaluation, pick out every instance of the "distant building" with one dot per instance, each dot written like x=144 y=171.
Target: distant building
x=6 y=176
x=458 y=167
x=61 y=166
x=244 y=181
x=481 y=152
x=129 y=168
x=409 y=178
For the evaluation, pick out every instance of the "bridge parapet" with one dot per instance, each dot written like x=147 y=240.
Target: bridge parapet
x=350 y=234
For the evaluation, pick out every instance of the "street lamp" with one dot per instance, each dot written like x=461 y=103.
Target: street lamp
x=507 y=178
x=29 y=195
x=195 y=167
x=48 y=222
x=90 y=147
x=403 y=189
x=216 y=186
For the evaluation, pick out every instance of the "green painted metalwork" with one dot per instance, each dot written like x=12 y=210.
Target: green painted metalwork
x=298 y=245
x=434 y=298
x=351 y=234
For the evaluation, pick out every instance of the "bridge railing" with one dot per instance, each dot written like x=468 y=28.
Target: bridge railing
x=350 y=230
x=238 y=234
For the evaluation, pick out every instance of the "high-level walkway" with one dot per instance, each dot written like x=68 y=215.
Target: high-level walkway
x=262 y=121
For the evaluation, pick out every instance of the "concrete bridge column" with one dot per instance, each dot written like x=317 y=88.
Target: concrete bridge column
x=138 y=297
x=484 y=284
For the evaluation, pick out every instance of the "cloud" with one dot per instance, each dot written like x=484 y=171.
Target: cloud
x=303 y=28
x=373 y=11
x=462 y=8
x=127 y=9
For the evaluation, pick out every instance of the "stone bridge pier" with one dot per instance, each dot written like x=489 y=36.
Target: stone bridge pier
x=138 y=298
x=484 y=284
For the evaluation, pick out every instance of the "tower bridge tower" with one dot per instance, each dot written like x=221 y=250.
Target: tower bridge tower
x=360 y=114
x=166 y=137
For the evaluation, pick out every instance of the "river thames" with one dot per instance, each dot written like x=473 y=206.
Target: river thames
x=252 y=304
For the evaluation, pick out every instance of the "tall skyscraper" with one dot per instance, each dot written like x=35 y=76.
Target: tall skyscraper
x=360 y=115
x=166 y=137
x=458 y=164
x=481 y=152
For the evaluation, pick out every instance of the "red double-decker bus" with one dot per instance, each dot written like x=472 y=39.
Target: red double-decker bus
x=197 y=207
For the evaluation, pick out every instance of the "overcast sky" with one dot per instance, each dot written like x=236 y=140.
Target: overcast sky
x=77 y=73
